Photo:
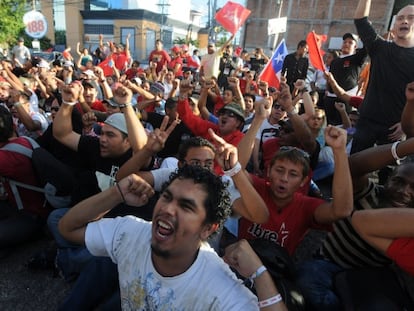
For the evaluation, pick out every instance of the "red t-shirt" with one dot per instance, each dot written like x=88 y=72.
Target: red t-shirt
x=18 y=167
x=402 y=252
x=97 y=105
x=161 y=58
x=173 y=63
x=287 y=227
x=253 y=87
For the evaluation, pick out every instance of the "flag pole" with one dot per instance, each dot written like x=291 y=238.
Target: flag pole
x=278 y=16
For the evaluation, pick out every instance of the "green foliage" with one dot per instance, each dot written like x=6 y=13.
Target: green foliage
x=180 y=41
x=11 y=17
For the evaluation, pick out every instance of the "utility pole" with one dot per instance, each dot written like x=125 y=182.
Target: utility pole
x=163 y=4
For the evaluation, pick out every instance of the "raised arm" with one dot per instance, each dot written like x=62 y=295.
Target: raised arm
x=220 y=51
x=407 y=120
x=250 y=205
x=343 y=201
x=301 y=129
x=132 y=190
x=136 y=133
x=62 y=125
x=362 y=9
x=155 y=143
x=369 y=160
x=339 y=91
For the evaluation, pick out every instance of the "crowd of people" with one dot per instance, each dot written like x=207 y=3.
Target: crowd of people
x=159 y=185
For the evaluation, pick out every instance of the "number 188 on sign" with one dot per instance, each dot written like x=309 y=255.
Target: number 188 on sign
x=36 y=24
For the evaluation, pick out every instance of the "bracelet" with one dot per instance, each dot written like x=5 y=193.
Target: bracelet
x=394 y=153
x=258 y=272
x=234 y=170
x=119 y=189
x=121 y=106
x=69 y=103
x=270 y=301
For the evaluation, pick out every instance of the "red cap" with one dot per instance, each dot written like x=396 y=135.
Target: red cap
x=175 y=49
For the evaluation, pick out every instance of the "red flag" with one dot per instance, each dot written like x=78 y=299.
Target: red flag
x=107 y=65
x=232 y=16
x=271 y=73
x=315 y=52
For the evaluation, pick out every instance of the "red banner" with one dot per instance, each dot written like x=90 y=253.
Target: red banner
x=315 y=50
x=232 y=16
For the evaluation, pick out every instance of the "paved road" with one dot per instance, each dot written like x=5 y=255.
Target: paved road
x=22 y=289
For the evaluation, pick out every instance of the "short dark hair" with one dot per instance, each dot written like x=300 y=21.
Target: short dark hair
x=251 y=96
x=294 y=155
x=193 y=142
x=217 y=202
x=302 y=43
x=6 y=124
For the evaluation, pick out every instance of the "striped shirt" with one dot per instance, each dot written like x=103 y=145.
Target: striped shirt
x=344 y=246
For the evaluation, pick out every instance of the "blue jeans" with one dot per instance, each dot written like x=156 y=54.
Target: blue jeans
x=315 y=279
x=96 y=286
x=71 y=258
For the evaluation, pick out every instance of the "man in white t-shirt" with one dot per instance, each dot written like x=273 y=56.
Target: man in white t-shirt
x=163 y=264
x=210 y=62
x=20 y=54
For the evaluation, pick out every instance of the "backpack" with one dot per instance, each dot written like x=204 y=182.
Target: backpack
x=55 y=178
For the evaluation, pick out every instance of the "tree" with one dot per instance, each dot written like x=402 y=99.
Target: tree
x=11 y=17
x=181 y=41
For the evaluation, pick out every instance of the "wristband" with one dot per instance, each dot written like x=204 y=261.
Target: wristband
x=121 y=106
x=270 y=301
x=394 y=153
x=69 y=103
x=234 y=170
x=258 y=272
x=120 y=192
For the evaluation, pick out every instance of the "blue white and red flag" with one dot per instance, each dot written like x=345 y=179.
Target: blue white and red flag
x=271 y=73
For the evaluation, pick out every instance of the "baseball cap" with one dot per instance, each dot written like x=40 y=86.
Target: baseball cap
x=110 y=102
x=117 y=120
x=175 y=49
x=157 y=87
x=351 y=36
x=235 y=108
x=43 y=64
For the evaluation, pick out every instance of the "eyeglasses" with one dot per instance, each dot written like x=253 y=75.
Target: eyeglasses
x=54 y=109
x=228 y=113
x=294 y=149
x=278 y=107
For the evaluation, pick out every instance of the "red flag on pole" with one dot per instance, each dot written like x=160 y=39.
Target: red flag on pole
x=315 y=50
x=232 y=16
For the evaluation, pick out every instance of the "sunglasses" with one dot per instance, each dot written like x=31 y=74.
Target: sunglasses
x=278 y=107
x=228 y=113
x=54 y=109
x=294 y=149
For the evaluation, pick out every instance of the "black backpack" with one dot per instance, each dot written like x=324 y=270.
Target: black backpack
x=55 y=178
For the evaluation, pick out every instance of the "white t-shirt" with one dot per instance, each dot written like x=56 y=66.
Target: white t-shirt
x=22 y=54
x=208 y=284
x=211 y=64
x=36 y=116
x=267 y=130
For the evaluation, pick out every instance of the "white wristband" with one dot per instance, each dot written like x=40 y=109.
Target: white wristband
x=69 y=103
x=270 y=301
x=258 y=272
x=234 y=170
x=394 y=153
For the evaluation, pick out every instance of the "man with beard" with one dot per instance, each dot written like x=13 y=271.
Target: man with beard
x=176 y=270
